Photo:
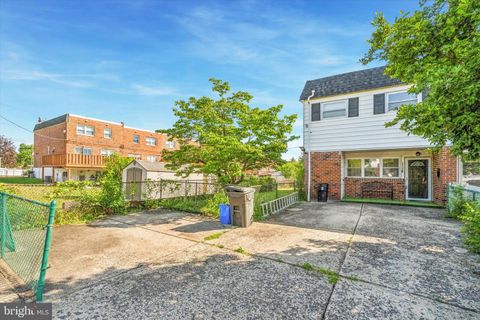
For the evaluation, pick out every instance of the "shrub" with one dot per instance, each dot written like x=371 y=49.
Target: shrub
x=471 y=229
x=456 y=202
x=212 y=204
x=110 y=199
x=69 y=189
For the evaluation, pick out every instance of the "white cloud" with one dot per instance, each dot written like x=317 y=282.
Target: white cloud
x=33 y=75
x=153 y=91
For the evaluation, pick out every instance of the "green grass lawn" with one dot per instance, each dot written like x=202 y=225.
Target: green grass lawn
x=393 y=202
x=20 y=180
x=261 y=197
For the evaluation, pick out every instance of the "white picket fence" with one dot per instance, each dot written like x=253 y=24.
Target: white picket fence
x=12 y=172
x=274 y=206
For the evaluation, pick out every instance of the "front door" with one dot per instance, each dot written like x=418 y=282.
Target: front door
x=418 y=179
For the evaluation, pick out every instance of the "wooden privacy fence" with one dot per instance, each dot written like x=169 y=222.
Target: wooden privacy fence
x=276 y=205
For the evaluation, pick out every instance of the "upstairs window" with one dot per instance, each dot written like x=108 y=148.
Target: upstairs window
x=136 y=138
x=151 y=141
x=107 y=133
x=334 y=109
x=84 y=130
x=395 y=100
x=170 y=144
x=152 y=158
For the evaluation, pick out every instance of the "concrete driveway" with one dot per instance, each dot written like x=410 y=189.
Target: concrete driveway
x=390 y=262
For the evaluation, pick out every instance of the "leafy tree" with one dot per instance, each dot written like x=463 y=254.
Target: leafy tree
x=25 y=155
x=436 y=48
x=292 y=169
x=8 y=154
x=229 y=137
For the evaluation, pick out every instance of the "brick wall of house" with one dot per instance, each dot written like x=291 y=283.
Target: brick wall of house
x=48 y=140
x=63 y=138
x=121 y=141
x=353 y=188
x=444 y=164
x=325 y=168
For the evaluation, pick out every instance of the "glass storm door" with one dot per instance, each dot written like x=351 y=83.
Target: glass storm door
x=418 y=178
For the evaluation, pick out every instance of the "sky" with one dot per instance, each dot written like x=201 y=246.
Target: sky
x=127 y=60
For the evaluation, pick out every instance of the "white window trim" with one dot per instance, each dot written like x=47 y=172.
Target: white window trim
x=85 y=130
x=155 y=141
x=399 y=167
x=105 y=136
x=380 y=168
x=345 y=102
x=361 y=168
x=170 y=144
x=400 y=171
x=387 y=102
x=108 y=151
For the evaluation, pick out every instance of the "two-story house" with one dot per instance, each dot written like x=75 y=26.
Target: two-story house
x=348 y=146
x=72 y=147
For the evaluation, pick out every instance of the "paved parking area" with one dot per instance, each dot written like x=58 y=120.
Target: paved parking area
x=392 y=263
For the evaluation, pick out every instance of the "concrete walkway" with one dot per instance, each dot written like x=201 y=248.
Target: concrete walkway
x=391 y=262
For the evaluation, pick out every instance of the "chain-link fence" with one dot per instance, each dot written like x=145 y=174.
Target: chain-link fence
x=458 y=194
x=25 y=235
x=167 y=189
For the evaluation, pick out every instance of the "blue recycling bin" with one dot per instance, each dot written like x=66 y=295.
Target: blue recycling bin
x=225 y=214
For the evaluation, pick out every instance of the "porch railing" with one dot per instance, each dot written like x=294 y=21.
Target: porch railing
x=74 y=160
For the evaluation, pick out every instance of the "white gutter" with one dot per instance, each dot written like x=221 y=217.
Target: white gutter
x=307 y=127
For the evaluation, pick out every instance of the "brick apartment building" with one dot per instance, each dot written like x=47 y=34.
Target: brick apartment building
x=72 y=147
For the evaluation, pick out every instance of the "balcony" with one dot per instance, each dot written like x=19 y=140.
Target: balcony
x=73 y=160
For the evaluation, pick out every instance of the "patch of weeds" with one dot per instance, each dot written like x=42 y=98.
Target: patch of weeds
x=221 y=246
x=308 y=266
x=240 y=250
x=332 y=276
x=280 y=260
x=214 y=236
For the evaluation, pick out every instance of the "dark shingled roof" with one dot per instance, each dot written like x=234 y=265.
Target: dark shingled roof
x=51 y=122
x=348 y=82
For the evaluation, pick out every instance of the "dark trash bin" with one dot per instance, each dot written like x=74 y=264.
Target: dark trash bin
x=322 y=192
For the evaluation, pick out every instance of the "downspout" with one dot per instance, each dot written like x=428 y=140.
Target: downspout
x=307 y=127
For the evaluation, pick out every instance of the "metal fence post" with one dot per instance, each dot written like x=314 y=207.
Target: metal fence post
x=46 y=251
x=3 y=199
x=161 y=187
x=196 y=191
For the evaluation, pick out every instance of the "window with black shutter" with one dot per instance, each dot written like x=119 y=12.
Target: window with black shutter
x=379 y=103
x=315 y=111
x=353 y=107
